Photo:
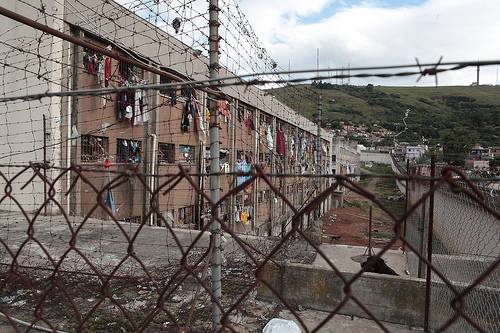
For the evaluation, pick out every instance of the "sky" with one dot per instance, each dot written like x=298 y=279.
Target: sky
x=380 y=32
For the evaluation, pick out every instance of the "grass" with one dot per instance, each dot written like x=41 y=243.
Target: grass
x=434 y=109
x=383 y=188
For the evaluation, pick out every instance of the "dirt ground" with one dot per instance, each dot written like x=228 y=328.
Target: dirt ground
x=349 y=225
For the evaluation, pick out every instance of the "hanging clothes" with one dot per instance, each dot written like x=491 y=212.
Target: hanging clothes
x=185 y=119
x=144 y=107
x=201 y=127
x=110 y=200
x=100 y=73
x=280 y=142
x=249 y=125
x=242 y=166
x=262 y=134
x=137 y=120
x=270 y=140
x=239 y=114
x=107 y=70
x=223 y=108
x=173 y=96
x=129 y=112
x=244 y=216
x=91 y=65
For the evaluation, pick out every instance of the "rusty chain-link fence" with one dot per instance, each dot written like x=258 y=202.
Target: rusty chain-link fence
x=90 y=272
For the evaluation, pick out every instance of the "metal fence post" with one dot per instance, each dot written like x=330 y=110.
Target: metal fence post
x=422 y=226
x=215 y=227
x=45 y=163
x=407 y=193
x=429 y=246
x=318 y=155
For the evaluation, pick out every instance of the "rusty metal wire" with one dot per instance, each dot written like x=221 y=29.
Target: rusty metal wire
x=69 y=271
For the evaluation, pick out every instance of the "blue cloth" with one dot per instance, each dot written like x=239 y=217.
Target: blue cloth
x=242 y=166
x=110 y=200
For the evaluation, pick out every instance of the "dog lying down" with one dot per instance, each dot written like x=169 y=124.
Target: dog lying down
x=379 y=266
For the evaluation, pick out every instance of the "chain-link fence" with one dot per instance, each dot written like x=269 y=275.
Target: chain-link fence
x=79 y=272
x=465 y=243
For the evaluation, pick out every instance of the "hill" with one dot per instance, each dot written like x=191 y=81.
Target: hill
x=437 y=113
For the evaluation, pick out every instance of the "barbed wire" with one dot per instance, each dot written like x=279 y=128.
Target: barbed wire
x=237 y=80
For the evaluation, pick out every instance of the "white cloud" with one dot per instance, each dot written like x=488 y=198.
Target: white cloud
x=370 y=34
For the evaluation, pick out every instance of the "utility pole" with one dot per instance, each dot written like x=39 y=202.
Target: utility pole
x=45 y=163
x=318 y=151
x=215 y=228
x=317 y=61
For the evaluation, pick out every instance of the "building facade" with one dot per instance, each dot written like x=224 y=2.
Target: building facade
x=345 y=157
x=159 y=131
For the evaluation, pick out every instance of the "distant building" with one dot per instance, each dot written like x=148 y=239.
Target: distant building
x=479 y=153
x=384 y=149
x=477 y=164
x=345 y=157
x=495 y=152
x=414 y=152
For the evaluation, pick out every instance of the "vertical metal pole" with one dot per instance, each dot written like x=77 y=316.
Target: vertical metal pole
x=318 y=153
x=370 y=232
x=232 y=199
x=429 y=247
x=272 y=195
x=44 y=165
x=422 y=226
x=256 y=186
x=407 y=192
x=215 y=227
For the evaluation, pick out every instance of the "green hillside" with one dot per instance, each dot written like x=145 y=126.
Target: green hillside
x=437 y=113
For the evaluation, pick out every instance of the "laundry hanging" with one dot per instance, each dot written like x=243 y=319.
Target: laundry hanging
x=280 y=142
x=185 y=119
x=173 y=96
x=242 y=166
x=109 y=200
x=270 y=140
x=249 y=125
x=107 y=70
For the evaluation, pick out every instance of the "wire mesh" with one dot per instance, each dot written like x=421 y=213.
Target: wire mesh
x=103 y=226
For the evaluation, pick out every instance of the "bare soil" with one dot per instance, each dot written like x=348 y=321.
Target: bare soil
x=349 y=225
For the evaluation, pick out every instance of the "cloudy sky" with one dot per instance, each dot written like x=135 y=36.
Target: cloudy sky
x=380 y=32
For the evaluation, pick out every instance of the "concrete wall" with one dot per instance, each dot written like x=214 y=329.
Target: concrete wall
x=462 y=225
x=382 y=158
x=388 y=298
x=21 y=122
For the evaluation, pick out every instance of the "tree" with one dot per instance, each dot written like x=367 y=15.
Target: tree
x=369 y=87
x=495 y=163
x=457 y=143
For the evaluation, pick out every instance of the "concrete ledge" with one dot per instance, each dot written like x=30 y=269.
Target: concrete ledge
x=388 y=298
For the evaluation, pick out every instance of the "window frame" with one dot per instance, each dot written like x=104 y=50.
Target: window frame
x=119 y=147
x=95 y=157
x=193 y=154
x=170 y=159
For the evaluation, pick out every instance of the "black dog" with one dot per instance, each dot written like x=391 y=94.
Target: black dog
x=379 y=266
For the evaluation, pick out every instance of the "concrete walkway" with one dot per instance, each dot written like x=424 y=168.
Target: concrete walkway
x=343 y=324
x=342 y=257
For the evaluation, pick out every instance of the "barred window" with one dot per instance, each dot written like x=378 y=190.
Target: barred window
x=260 y=197
x=187 y=153
x=94 y=148
x=166 y=153
x=128 y=151
x=129 y=72
x=265 y=158
x=186 y=215
x=168 y=90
